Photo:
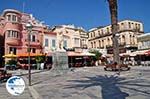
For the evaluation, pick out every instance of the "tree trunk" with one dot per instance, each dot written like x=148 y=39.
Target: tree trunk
x=114 y=22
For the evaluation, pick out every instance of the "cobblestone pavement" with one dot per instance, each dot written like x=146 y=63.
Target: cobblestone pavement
x=87 y=83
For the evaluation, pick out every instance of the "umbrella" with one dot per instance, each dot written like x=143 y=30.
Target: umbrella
x=11 y=55
x=147 y=52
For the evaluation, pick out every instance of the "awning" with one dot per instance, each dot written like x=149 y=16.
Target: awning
x=80 y=54
x=74 y=53
x=147 y=52
x=140 y=52
x=124 y=54
x=87 y=54
x=10 y=55
x=31 y=54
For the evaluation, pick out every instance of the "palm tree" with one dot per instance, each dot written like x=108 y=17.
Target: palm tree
x=114 y=21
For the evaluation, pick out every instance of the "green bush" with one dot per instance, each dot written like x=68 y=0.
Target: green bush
x=40 y=59
x=12 y=62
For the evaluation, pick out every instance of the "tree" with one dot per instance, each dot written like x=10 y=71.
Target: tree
x=114 y=22
x=97 y=54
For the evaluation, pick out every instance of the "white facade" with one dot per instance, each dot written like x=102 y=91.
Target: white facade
x=144 y=41
x=71 y=36
x=49 y=43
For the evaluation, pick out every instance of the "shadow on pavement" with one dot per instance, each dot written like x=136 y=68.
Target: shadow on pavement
x=108 y=84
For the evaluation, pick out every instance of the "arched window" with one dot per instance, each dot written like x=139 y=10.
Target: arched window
x=102 y=43
x=92 y=44
x=130 y=39
x=99 y=44
x=108 y=41
x=123 y=39
x=107 y=30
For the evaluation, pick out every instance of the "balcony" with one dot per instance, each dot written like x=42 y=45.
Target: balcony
x=108 y=46
x=122 y=44
x=12 y=41
x=33 y=43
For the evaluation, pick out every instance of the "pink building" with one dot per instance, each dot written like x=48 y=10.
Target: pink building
x=15 y=34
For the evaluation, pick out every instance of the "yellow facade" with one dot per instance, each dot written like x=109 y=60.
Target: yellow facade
x=101 y=37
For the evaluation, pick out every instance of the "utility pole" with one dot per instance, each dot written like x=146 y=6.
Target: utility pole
x=114 y=26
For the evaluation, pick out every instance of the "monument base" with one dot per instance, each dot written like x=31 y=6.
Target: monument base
x=60 y=62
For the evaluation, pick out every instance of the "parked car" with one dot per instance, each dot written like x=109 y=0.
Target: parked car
x=4 y=75
x=116 y=67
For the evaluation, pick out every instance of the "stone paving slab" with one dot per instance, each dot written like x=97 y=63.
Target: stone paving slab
x=86 y=83
x=93 y=83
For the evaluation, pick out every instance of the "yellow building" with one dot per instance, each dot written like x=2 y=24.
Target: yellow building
x=101 y=37
x=72 y=37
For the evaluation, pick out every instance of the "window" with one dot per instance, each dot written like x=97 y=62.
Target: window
x=94 y=34
x=65 y=43
x=53 y=43
x=108 y=30
x=12 y=33
x=8 y=17
x=139 y=26
x=33 y=50
x=91 y=35
x=99 y=43
x=14 y=18
x=76 y=41
x=102 y=43
x=99 y=33
x=12 y=50
x=108 y=41
x=136 y=26
x=92 y=44
x=46 y=42
x=129 y=25
x=123 y=39
x=9 y=33
x=102 y=32
x=32 y=38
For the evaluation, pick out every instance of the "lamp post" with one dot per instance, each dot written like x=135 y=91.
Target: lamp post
x=29 y=29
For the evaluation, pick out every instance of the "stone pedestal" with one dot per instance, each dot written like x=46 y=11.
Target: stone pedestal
x=60 y=62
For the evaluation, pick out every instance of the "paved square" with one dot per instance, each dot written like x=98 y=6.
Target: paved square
x=87 y=83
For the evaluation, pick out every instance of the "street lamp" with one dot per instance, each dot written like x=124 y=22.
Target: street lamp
x=29 y=29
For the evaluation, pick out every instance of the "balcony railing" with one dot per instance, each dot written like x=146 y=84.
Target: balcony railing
x=36 y=42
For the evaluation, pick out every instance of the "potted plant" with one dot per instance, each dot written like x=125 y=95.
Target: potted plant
x=39 y=59
x=11 y=64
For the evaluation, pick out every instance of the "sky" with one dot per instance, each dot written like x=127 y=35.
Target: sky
x=82 y=13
